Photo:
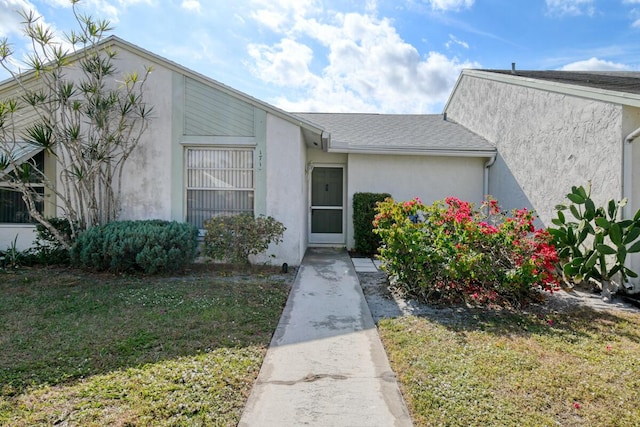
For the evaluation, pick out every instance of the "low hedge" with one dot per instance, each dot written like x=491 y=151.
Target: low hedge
x=364 y=211
x=150 y=246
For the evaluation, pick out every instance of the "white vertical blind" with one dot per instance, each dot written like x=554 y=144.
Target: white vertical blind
x=220 y=181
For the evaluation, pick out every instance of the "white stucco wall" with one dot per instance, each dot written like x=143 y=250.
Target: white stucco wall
x=146 y=186
x=146 y=191
x=547 y=142
x=23 y=234
x=406 y=177
x=146 y=179
x=286 y=199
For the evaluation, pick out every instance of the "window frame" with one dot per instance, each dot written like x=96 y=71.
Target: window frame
x=226 y=149
x=25 y=156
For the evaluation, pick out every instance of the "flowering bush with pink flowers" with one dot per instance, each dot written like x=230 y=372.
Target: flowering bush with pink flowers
x=451 y=252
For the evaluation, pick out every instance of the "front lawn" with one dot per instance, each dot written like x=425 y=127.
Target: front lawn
x=540 y=368
x=97 y=349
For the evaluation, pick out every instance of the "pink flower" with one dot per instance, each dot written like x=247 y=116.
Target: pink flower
x=608 y=348
x=577 y=405
x=487 y=228
x=550 y=322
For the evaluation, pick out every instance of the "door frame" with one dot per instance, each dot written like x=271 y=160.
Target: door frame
x=327 y=239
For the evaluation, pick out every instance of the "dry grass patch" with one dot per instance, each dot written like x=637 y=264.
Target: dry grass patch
x=83 y=349
x=481 y=368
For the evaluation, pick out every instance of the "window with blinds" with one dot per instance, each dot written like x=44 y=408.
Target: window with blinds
x=219 y=181
x=13 y=209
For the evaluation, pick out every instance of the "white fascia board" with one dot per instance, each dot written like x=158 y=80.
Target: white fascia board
x=604 y=95
x=453 y=91
x=404 y=151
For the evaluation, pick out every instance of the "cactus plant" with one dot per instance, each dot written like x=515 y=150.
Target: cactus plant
x=594 y=244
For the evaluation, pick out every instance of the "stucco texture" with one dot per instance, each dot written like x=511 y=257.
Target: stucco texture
x=146 y=190
x=285 y=197
x=547 y=142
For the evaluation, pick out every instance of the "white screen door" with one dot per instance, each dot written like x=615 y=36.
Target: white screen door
x=327 y=205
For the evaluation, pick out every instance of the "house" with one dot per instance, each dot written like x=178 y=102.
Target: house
x=212 y=150
x=554 y=130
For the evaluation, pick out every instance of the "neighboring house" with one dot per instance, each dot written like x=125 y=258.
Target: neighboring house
x=554 y=130
x=211 y=150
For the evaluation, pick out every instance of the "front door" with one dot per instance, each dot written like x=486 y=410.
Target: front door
x=327 y=205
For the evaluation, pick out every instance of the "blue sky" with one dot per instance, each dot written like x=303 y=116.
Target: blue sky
x=391 y=56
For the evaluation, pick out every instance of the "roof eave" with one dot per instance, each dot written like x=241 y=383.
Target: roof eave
x=615 y=97
x=412 y=151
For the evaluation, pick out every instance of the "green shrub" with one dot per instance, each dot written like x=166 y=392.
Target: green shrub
x=364 y=211
x=234 y=238
x=450 y=252
x=150 y=246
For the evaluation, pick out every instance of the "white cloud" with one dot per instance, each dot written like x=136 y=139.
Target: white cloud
x=105 y=9
x=191 y=5
x=595 y=64
x=365 y=66
x=634 y=14
x=570 y=7
x=455 y=41
x=279 y=14
x=9 y=17
x=284 y=64
x=451 y=4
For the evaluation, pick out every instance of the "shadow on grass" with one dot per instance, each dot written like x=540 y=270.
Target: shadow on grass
x=62 y=325
x=571 y=321
x=572 y=324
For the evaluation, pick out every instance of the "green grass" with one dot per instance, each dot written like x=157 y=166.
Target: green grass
x=89 y=349
x=576 y=368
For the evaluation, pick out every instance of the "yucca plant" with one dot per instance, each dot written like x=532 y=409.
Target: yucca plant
x=83 y=113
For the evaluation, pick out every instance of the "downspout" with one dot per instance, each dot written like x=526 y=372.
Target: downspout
x=627 y=162
x=627 y=179
x=485 y=184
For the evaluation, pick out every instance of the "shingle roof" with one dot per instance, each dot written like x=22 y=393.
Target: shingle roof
x=618 y=81
x=398 y=133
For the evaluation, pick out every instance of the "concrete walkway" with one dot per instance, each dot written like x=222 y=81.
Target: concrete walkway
x=366 y=265
x=326 y=365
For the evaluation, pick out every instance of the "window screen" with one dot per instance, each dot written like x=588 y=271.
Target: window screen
x=220 y=181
